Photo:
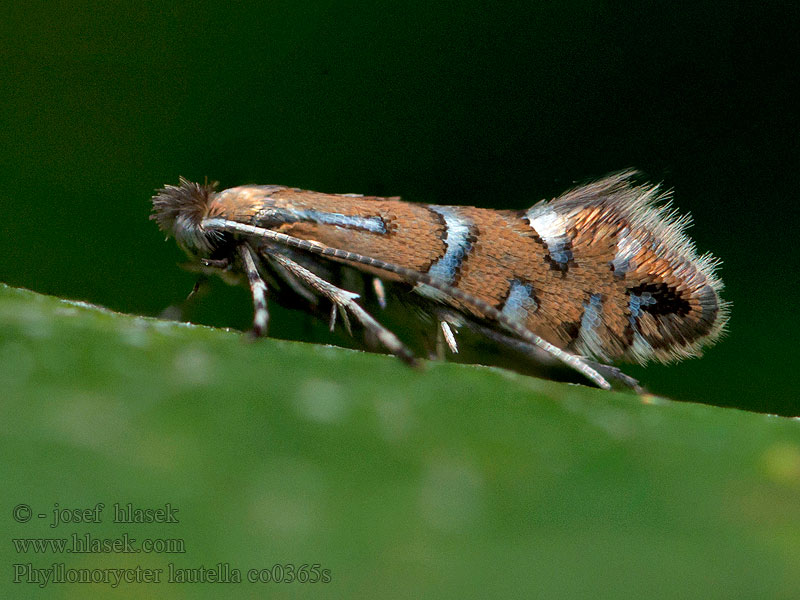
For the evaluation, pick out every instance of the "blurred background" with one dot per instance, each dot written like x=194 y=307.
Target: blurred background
x=469 y=102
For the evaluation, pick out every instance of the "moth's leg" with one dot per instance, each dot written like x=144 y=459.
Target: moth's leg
x=259 y=290
x=302 y=289
x=445 y=335
x=332 y=323
x=346 y=302
x=217 y=263
x=296 y=286
x=345 y=319
x=616 y=374
x=540 y=355
x=179 y=312
x=380 y=292
x=201 y=281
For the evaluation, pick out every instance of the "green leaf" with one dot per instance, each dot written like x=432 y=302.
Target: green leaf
x=451 y=481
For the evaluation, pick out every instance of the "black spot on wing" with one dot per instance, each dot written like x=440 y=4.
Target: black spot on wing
x=658 y=299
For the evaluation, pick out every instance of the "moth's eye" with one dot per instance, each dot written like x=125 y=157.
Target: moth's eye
x=194 y=240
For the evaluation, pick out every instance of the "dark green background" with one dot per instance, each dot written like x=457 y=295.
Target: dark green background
x=470 y=102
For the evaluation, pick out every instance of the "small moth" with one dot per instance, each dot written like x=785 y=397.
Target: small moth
x=604 y=272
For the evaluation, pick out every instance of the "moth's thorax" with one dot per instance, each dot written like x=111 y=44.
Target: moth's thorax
x=242 y=203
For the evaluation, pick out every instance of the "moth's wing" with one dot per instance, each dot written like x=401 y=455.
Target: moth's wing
x=672 y=294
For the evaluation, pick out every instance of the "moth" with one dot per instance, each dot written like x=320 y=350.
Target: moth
x=604 y=272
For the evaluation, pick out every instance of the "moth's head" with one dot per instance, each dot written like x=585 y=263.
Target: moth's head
x=179 y=211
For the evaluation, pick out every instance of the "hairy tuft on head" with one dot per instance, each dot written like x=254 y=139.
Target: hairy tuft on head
x=188 y=200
